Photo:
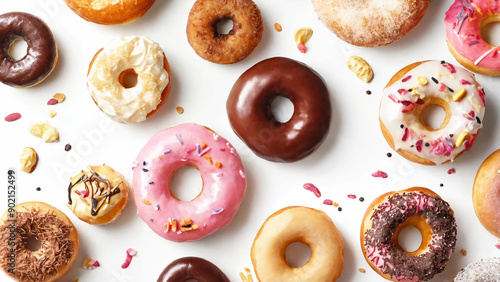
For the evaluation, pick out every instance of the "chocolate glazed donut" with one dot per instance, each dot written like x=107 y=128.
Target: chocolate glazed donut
x=192 y=268
x=249 y=109
x=41 y=55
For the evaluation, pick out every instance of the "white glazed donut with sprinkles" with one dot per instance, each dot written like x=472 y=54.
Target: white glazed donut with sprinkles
x=418 y=86
x=224 y=182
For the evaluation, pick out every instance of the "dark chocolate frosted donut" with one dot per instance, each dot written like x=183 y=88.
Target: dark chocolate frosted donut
x=41 y=55
x=391 y=213
x=249 y=109
x=192 y=268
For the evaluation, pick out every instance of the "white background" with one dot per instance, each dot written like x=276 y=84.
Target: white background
x=343 y=165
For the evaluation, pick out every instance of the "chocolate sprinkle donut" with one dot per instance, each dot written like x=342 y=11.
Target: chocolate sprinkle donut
x=393 y=212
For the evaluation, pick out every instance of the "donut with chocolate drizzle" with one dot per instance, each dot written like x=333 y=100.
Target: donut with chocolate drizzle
x=41 y=55
x=192 y=268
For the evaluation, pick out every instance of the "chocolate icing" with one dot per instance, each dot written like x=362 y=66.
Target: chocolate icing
x=249 y=109
x=395 y=211
x=41 y=54
x=192 y=268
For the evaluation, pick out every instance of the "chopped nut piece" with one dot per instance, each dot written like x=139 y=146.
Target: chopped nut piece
x=360 y=68
x=52 y=113
x=59 y=97
x=29 y=160
x=45 y=131
x=302 y=35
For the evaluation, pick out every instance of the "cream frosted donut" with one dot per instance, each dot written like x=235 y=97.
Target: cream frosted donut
x=370 y=23
x=411 y=91
x=298 y=224
x=224 y=182
x=464 y=21
x=128 y=55
x=485 y=270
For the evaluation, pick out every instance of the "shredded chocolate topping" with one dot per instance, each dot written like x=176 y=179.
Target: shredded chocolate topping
x=55 y=251
x=395 y=211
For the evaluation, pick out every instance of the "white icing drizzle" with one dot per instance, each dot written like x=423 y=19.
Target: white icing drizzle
x=128 y=105
x=484 y=55
x=467 y=114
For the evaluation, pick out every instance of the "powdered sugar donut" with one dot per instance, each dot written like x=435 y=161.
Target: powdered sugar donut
x=224 y=182
x=482 y=270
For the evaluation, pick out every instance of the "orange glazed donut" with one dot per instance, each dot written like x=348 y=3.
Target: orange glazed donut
x=298 y=224
x=110 y=12
x=224 y=48
x=486 y=194
x=57 y=235
x=370 y=23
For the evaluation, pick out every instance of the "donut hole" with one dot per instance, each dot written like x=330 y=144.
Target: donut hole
x=186 y=183
x=282 y=109
x=297 y=254
x=435 y=114
x=223 y=26
x=33 y=244
x=410 y=239
x=128 y=78
x=18 y=49
x=490 y=30
x=413 y=236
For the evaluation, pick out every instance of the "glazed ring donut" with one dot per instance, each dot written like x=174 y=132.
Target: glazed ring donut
x=192 y=269
x=370 y=23
x=417 y=86
x=249 y=109
x=223 y=178
x=298 y=224
x=228 y=48
x=131 y=54
x=390 y=213
x=57 y=235
x=41 y=56
x=99 y=195
x=110 y=12
x=482 y=270
x=464 y=22
x=486 y=194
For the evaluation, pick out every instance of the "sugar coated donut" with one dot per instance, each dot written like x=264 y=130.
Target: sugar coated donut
x=249 y=109
x=224 y=182
x=229 y=48
x=370 y=23
x=41 y=55
x=486 y=194
x=418 y=86
x=464 y=21
x=131 y=54
x=110 y=12
x=298 y=224
x=98 y=196
x=46 y=224
x=390 y=213
x=192 y=269
x=482 y=270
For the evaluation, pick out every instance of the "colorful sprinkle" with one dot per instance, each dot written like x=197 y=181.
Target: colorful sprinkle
x=435 y=80
x=157 y=207
x=144 y=163
x=406 y=78
x=242 y=174
x=130 y=253
x=83 y=193
x=151 y=182
x=478 y=120
x=145 y=169
x=380 y=173
x=216 y=137
x=498 y=246
x=220 y=174
x=90 y=263
x=451 y=171
x=198 y=149
x=406 y=134
x=302 y=48
x=459 y=95
x=328 y=202
x=209 y=159
x=351 y=196
x=218 y=165
x=146 y=201
x=450 y=67
x=13 y=117
x=312 y=188
x=419 y=144
x=179 y=138
x=166 y=151
x=52 y=101
x=465 y=82
x=473 y=42
x=217 y=211
x=150 y=220
x=460 y=139
x=204 y=151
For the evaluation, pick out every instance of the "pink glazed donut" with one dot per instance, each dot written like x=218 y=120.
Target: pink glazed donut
x=224 y=182
x=464 y=21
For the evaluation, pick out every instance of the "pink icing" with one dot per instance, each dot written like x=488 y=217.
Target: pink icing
x=223 y=187
x=463 y=31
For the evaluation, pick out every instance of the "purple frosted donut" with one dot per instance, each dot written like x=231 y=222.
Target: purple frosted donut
x=391 y=213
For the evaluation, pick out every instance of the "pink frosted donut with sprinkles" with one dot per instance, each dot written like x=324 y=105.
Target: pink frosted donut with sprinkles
x=224 y=182
x=411 y=91
x=464 y=21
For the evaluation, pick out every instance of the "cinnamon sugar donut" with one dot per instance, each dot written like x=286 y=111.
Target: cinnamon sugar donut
x=370 y=23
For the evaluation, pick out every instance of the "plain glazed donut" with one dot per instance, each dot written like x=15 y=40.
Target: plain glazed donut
x=131 y=54
x=370 y=23
x=417 y=86
x=249 y=109
x=298 y=224
x=486 y=194
x=485 y=270
x=192 y=269
x=57 y=235
x=464 y=21
x=110 y=12
x=99 y=195
x=390 y=213
x=224 y=182
x=41 y=55
x=229 y=48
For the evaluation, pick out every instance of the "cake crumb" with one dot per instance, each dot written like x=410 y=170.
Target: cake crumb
x=362 y=270
x=463 y=252
x=278 y=27
x=179 y=110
